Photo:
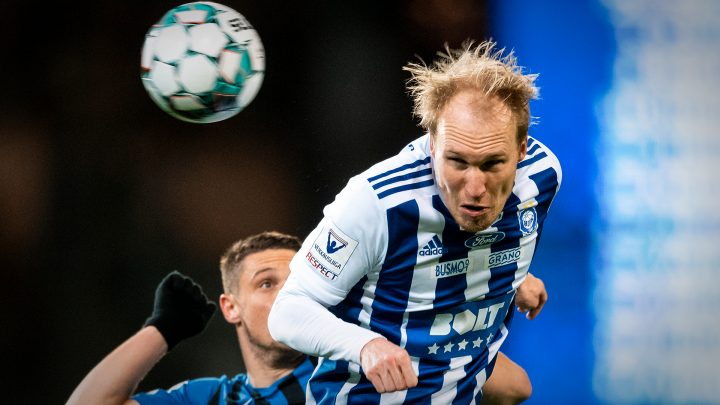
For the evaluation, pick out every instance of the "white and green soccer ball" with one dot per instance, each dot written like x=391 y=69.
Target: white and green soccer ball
x=202 y=62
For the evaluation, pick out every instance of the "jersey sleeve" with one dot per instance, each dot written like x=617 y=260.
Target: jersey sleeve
x=346 y=245
x=538 y=179
x=537 y=183
x=198 y=391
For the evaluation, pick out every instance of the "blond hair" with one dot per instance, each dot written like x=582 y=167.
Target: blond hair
x=481 y=67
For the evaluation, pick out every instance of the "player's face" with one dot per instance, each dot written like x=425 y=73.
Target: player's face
x=262 y=276
x=475 y=155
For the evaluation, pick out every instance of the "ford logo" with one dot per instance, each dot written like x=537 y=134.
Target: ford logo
x=484 y=239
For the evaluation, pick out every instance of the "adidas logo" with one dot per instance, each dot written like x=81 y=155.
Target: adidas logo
x=433 y=248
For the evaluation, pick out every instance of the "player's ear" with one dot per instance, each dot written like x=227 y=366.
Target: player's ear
x=230 y=308
x=522 y=151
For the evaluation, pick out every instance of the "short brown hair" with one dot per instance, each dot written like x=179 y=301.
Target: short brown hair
x=231 y=260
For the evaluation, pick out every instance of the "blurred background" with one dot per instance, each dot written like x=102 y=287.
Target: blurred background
x=102 y=193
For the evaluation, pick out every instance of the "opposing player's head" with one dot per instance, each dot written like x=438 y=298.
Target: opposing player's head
x=474 y=102
x=253 y=271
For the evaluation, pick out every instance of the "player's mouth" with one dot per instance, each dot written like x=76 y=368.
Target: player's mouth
x=474 y=210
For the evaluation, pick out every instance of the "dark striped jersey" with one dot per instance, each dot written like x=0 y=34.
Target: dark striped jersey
x=288 y=390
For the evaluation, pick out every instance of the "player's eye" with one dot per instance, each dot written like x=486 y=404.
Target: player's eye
x=266 y=284
x=491 y=164
x=457 y=161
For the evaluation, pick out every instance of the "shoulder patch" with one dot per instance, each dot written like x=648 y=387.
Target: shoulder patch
x=331 y=250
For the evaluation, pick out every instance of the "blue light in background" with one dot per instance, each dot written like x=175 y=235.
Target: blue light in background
x=630 y=253
x=658 y=228
x=571 y=46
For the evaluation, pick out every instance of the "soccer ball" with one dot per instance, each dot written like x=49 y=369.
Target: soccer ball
x=202 y=62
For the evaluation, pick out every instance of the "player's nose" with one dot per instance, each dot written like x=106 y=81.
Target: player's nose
x=475 y=183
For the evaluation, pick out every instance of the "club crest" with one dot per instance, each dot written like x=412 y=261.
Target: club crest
x=528 y=220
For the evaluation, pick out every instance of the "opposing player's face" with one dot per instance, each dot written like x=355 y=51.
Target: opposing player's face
x=263 y=274
x=475 y=155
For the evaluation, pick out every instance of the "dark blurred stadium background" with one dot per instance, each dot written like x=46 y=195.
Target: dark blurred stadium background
x=102 y=193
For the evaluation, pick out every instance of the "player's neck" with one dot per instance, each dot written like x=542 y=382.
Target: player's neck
x=263 y=376
x=262 y=372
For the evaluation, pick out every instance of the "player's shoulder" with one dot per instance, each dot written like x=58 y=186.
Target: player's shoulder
x=408 y=171
x=307 y=367
x=539 y=160
x=366 y=197
x=198 y=390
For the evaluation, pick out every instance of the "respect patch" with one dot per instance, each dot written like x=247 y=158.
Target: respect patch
x=332 y=249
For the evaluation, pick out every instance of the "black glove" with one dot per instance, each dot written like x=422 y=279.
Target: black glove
x=181 y=308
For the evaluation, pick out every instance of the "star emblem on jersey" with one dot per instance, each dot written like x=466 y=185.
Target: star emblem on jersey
x=461 y=345
x=461 y=331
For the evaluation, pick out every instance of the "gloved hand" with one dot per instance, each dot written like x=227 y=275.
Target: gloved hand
x=181 y=308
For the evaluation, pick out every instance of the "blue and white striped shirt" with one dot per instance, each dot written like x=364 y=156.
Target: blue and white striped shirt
x=389 y=257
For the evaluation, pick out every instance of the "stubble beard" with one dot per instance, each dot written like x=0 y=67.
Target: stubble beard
x=275 y=354
x=480 y=223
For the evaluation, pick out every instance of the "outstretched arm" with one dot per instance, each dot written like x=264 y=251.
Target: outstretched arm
x=304 y=324
x=307 y=326
x=115 y=378
x=181 y=310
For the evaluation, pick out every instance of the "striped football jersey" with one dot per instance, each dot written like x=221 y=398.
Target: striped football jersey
x=389 y=257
